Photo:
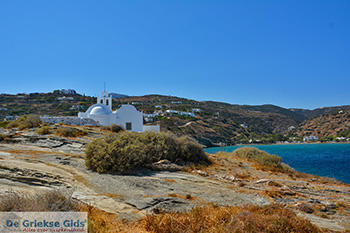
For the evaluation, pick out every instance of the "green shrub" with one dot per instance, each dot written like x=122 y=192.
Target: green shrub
x=70 y=132
x=189 y=147
x=25 y=122
x=4 y=124
x=264 y=159
x=126 y=151
x=113 y=128
x=44 y=130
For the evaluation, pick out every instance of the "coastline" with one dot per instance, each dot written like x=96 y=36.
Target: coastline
x=291 y=143
x=321 y=159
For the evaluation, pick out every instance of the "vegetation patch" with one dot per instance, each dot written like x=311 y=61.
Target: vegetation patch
x=25 y=122
x=3 y=124
x=40 y=201
x=113 y=128
x=271 y=219
x=265 y=160
x=3 y=137
x=100 y=221
x=70 y=132
x=44 y=130
x=127 y=151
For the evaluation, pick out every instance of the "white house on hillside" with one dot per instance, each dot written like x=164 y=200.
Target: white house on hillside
x=126 y=116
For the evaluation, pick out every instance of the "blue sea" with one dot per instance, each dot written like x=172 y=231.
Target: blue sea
x=332 y=160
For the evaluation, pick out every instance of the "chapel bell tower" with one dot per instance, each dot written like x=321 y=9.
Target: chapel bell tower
x=105 y=99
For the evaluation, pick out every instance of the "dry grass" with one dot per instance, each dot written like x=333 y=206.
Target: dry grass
x=272 y=219
x=242 y=175
x=263 y=160
x=112 y=195
x=210 y=218
x=113 y=128
x=186 y=197
x=169 y=180
x=229 y=219
x=70 y=132
x=102 y=222
x=25 y=122
x=35 y=153
x=40 y=201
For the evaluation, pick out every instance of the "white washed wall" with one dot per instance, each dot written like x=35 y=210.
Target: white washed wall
x=69 y=120
x=154 y=128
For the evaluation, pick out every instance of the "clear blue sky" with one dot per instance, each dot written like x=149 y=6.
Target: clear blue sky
x=289 y=53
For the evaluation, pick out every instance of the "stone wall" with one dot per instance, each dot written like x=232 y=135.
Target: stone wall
x=69 y=120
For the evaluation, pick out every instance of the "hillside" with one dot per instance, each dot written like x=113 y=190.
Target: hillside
x=309 y=114
x=217 y=122
x=327 y=125
x=212 y=123
x=55 y=103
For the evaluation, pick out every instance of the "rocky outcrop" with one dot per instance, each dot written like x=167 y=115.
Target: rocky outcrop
x=50 y=142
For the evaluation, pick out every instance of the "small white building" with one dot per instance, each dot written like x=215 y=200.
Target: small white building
x=9 y=118
x=76 y=107
x=190 y=114
x=290 y=128
x=170 y=111
x=126 y=116
x=310 y=138
x=65 y=98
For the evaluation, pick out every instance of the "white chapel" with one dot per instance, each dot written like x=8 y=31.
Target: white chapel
x=126 y=116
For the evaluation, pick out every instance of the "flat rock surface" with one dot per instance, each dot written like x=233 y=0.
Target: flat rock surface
x=31 y=167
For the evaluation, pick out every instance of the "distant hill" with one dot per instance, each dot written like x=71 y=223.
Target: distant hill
x=52 y=103
x=309 y=114
x=331 y=123
x=214 y=122
x=218 y=122
x=117 y=96
x=269 y=108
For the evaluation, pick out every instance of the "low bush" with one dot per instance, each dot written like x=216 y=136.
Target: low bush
x=113 y=128
x=40 y=201
x=262 y=158
x=70 y=132
x=25 y=122
x=3 y=124
x=125 y=151
x=44 y=130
